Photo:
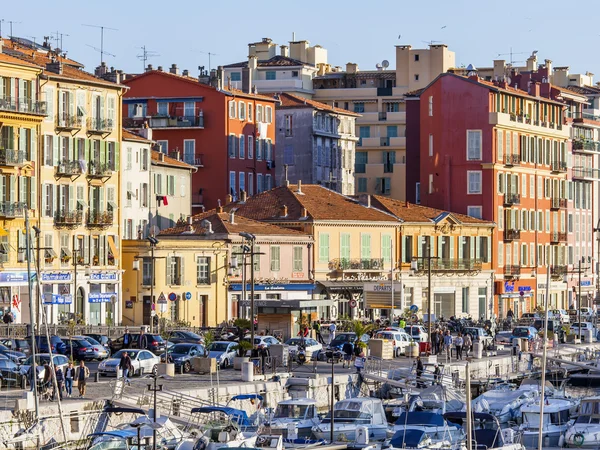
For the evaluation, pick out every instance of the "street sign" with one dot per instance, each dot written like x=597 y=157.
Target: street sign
x=152 y=313
x=172 y=296
x=162 y=298
x=188 y=295
x=522 y=293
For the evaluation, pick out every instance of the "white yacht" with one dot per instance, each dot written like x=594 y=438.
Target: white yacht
x=486 y=432
x=299 y=415
x=585 y=432
x=432 y=424
x=557 y=418
x=504 y=402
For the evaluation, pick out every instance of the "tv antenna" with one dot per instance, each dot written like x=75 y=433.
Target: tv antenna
x=145 y=55
x=102 y=28
x=430 y=43
x=11 y=22
x=1 y=21
x=209 y=55
x=59 y=39
x=511 y=54
x=102 y=52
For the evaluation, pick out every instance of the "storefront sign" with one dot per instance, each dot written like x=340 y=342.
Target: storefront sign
x=103 y=276
x=56 y=276
x=364 y=277
x=509 y=287
x=15 y=277
x=101 y=297
x=56 y=299
x=298 y=275
x=273 y=280
x=524 y=288
x=274 y=287
x=586 y=282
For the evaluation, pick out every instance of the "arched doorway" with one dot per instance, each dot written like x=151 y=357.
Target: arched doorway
x=80 y=301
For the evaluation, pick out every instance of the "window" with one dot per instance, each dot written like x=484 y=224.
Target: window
x=189 y=109
x=386 y=248
x=242 y=111
x=259 y=113
x=416 y=58
x=294 y=74
x=474 y=211
x=232 y=109
x=163 y=108
x=111 y=155
x=129 y=158
x=389 y=159
x=323 y=247
x=232 y=189
x=250 y=147
x=202 y=270
x=500 y=145
x=270 y=75
x=365 y=246
x=158 y=183
x=242 y=178
x=345 y=246
x=383 y=186
x=360 y=162
x=231 y=144
x=359 y=107
x=392 y=131
x=236 y=76
x=431 y=106
x=362 y=185
x=259 y=183
x=48 y=150
x=256 y=261
x=288 y=125
x=430 y=189
x=269 y=114
x=242 y=150
x=416 y=77
x=465 y=300
x=297 y=265
x=250 y=184
x=364 y=132
x=275 y=258
x=474 y=182
x=473 y=145
x=189 y=151
x=431 y=145
x=171 y=185
x=249 y=112
x=175 y=271
x=268 y=182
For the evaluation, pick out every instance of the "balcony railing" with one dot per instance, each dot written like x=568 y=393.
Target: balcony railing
x=68 y=169
x=357 y=264
x=174 y=280
x=194 y=159
x=384 y=91
x=384 y=141
x=11 y=157
x=68 y=218
x=584 y=173
x=586 y=145
x=449 y=265
x=512 y=160
x=559 y=166
x=69 y=122
x=383 y=116
x=512 y=235
x=25 y=106
x=557 y=237
x=512 y=271
x=197 y=200
x=100 y=219
x=512 y=199
x=558 y=203
x=97 y=170
x=558 y=271
x=98 y=125
x=12 y=209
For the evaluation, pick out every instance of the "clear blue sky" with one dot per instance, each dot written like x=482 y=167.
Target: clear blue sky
x=364 y=32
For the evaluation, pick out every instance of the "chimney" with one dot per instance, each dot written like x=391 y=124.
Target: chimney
x=406 y=204
x=304 y=213
x=186 y=73
x=299 y=191
x=232 y=217
x=284 y=211
x=190 y=220
x=161 y=156
x=55 y=67
x=228 y=199
x=548 y=64
x=351 y=67
x=285 y=51
x=247 y=80
x=174 y=70
x=365 y=200
x=219 y=209
x=252 y=62
x=160 y=69
x=285 y=172
x=242 y=196
x=146 y=132
x=220 y=76
x=149 y=68
x=101 y=70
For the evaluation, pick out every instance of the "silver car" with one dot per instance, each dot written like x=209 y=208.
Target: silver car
x=223 y=352
x=99 y=351
x=143 y=361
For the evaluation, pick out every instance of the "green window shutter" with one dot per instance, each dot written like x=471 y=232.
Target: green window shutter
x=489 y=249
x=452 y=239
x=297 y=266
x=181 y=270
x=419 y=246
x=32 y=194
x=3 y=179
x=404 y=248
x=117 y=156
x=460 y=247
x=23 y=141
x=440 y=246
x=345 y=246
x=365 y=247
x=87 y=150
x=71 y=148
x=23 y=189
x=472 y=247
x=101 y=202
x=102 y=152
x=386 y=248
x=275 y=259
x=71 y=198
x=55 y=146
x=33 y=148
x=13 y=187
x=323 y=247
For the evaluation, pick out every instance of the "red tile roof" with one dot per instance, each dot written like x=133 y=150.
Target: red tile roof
x=131 y=136
x=221 y=224
x=240 y=93
x=161 y=159
x=15 y=46
x=275 y=61
x=293 y=101
x=4 y=58
x=585 y=90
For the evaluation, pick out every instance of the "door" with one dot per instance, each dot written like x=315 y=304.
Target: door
x=147 y=309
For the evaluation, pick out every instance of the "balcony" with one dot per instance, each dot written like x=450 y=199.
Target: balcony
x=10 y=157
x=68 y=169
x=585 y=174
x=68 y=219
x=449 y=265
x=69 y=122
x=512 y=160
x=99 y=219
x=556 y=237
x=526 y=124
x=512 y=235
x=98 y=171
x=197 y=200
x=511 y=199
x=558 y=167
x=384 y=141
x=558 y=203
x=10 y=104
x=384 y=92
x=194 y=160
x=382 y=116
x=586 y=146
x=557 y=272
x=512 y=271
x=12 y=210
x=96 y=125
x=356 y=264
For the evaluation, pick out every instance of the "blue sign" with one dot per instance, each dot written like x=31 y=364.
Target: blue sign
x=56 y=299
x=60 y=276
x=586 y=282
x=524 y=288
x=172 y=296
x=508 y=287
x=188 y=296
x=101 y=297
x=274 y=287
x=103 y=276
x=15 y=277
x=414 y=308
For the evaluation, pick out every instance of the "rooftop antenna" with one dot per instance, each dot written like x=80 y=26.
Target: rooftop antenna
x=430 y=43
x=293 y=36
x=145 y=55
x=209 y=55
x=32 y=37
x=11 y=22
x=102 y=52
x=511 y=54
x=59 y=39
x=102 y=28
x=1 y=21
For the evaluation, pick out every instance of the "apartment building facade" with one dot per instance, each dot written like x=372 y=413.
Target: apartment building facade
x=227 y=134
x=316 y=142
x=378 y=96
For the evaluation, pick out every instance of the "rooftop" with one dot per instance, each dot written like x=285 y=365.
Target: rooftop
x=275 y=61
x=293 y=101
x=131 y=136
x=160 y=159
x=584 y=90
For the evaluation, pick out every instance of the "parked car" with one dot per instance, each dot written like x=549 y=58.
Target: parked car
x=143 y=361
x=479 y=334
x=528 y=318
x=418 y=332
x=587 y=313
x=573 y=314
x=266 y=340
x=223 y=352
x=78 y=349
x=312 y=347
x=41 y=343
x=523 y=332
x=178 y=337
x=584 y=326
x=14 y=356
x=156 y=343
x=101 y=339
x=560 y=315
x=17 y=344
x=42 y=358
x=554 y=325
x=400 y=340
x=503 y=337
x=10 y=373
x=181 y=355
x=99 y=351
x=342 y=338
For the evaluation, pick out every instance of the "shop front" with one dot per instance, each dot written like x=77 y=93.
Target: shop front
x=14 y=295
x=103 y=298
x=57 y=295
x=348 y=295
x=275 y=290
x=517 y=296
x=581 y=294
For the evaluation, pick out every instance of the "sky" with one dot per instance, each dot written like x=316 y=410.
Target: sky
x=184 y=32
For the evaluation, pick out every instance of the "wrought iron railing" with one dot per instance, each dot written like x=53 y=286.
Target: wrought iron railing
x=356 y=264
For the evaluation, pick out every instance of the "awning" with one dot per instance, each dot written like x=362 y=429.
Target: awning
x=50 y=253
x=66 y=252
x=113 y=205
x=111 y=244
x=82 y=203
x=291 y=304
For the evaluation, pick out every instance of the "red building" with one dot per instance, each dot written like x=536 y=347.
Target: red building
x=228 y=134
x=502 y=153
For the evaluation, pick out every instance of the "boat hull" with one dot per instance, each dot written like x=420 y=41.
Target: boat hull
x=530 y=439
x=347 y=432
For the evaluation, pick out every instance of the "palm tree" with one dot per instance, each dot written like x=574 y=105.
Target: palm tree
x=359 y=328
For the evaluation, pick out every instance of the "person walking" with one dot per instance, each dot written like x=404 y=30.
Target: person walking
x=59 y=378
x=359 y=363
x=264 y=354
x=348 y=350
x=81 y=375
x=126 y=367
x=332 y=329
x=440 y=341
x=448 y=345
x=127 y=338
x=419 y=372
x=317 y=328
x=434 y=342
x=142 y=340
x=69 y=376
x=468 y=343
x=458 y=344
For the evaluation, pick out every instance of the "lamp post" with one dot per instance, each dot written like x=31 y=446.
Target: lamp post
x=332 y=397
x=154 y=389
x=414 y=265
x=579 y=271
x=250 y=237
x=153 y=243
x=597 y=231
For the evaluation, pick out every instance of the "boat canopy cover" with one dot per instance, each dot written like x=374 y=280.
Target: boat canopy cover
x=122 y=434
x=407 y=438
x=246 y=397
x=421 y=418
x=237 y=415
x=461 y=415
x=118 y=410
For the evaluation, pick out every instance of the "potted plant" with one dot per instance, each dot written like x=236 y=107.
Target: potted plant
x=205 y=364
x=242 y=349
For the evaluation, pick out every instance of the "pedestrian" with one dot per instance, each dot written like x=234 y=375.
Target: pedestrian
x=440 y=341
x=317 y=328
x=458 y=344
x=142 y=340
x=47 y=379
x=81 y=375
x=468 y=343
x=402 y=323
x=419 y=372
x=69 y=376
x=437 y=374
x=59 y=384
x=510 y=315
x=359 y=362
x=434 y=342
x=264 y=356
x=127 y=338
x=126 y=366
x=348 y=350
x=332 y=329
x=448 y=345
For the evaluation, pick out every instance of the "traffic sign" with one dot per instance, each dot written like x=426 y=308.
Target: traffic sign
x=172 y=296
x=152 y=313
x=522 y=293
x=188 y=295
x=162 y=298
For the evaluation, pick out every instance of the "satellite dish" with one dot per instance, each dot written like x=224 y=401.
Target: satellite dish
x=385 y=64
x=378 y=66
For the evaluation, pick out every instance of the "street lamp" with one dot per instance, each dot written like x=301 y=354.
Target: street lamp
x=154 y=389
x=250 y=237
x=153 y=243
x=414 y=265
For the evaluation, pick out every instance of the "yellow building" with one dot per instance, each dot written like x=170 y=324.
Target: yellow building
x=20 y=116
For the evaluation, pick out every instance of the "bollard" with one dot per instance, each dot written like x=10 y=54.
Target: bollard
x=23 y=383
x=97 y=377
x=181 y=371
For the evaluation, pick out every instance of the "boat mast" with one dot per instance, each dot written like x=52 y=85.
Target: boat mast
x=544 y=344
x=32 y=310
x=468 y=413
